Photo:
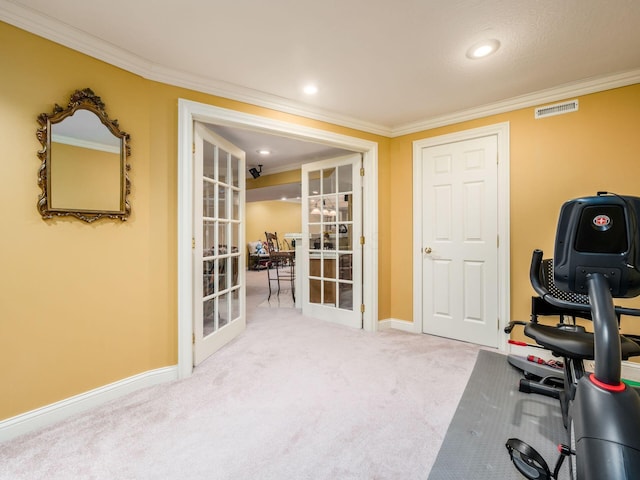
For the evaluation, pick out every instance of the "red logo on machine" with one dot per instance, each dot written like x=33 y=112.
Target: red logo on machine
x=602 y=222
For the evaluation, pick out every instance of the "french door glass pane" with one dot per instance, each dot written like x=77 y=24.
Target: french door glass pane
x=235 y=304
x=223 y=166
x=345 y=266
x=345 y=178
x=235 y=214
x=209 y=316
x=208 y=273
x=208 y=198
x=345 y=294
x=329 y=181
x=209 y=160
x=223 y=194
x=345 y=241
x=235 y=237
x=235 y=175
x=315 y=291
x=314 y=182
x=208 y=237
x=329 y=293
x=345 y=208
x=223 y=310
x=222 y=238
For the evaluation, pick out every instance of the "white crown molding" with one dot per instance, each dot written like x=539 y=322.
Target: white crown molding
x=71 y=37
x=593 y=85
x=58 y=32
x=260 y=99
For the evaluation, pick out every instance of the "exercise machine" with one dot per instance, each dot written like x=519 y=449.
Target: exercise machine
x=597 y=253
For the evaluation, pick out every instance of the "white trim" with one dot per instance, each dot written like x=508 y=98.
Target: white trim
x=397 y=324
x=562 y=92
x=83 y=42
x=188 y=112
x=55 y=412
x=59 y=32
x=501 y=130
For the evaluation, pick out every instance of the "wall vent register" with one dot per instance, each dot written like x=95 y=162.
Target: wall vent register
x=556 y=109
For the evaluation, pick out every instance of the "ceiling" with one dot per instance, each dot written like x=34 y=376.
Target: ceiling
x=286 y=154
x=382 y=66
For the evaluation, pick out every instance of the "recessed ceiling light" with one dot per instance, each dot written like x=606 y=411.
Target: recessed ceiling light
x=264 y=151
x=483 y=49
x=310 y=89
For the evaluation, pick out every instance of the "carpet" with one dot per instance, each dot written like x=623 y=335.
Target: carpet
x=283 y=300
x=290 y=398
x=491 y=411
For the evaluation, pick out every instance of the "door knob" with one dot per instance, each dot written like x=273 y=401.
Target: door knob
x=427 y=250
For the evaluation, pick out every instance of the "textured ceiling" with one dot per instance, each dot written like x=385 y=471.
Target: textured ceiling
x=384 y=66
x=380 y=64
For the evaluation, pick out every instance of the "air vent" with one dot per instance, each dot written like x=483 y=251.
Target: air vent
x=557 y=109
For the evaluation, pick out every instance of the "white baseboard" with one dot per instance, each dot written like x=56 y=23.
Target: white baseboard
x=396 y=324
x=49 y=414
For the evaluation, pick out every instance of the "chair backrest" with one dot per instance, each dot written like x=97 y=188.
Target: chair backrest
x=272 y=242
x=540 y=307
x=548 y=282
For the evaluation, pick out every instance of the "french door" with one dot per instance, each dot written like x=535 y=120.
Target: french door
x=218 y=259
x=331 y=231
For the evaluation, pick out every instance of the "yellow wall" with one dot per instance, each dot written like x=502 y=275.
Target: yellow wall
x=274 y=216
x=83 y=305
x=283 y=178
x=552 y=160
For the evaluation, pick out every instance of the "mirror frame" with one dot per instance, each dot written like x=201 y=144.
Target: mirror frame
x=83 y=99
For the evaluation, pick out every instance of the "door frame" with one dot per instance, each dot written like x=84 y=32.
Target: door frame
x=501 y=130
x=190 y=111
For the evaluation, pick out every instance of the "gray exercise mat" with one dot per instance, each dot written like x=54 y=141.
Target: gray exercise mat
x=491 y=411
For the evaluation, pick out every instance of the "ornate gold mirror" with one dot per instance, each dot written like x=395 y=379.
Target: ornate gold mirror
x=84 y=161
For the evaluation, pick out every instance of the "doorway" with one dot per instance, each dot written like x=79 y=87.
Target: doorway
x=188 y=113
x=461 y=235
